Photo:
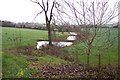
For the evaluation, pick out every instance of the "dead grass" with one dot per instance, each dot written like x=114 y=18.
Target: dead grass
x=58 y=52
x=77 y=71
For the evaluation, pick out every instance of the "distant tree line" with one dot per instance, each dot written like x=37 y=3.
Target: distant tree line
x=22 y=25
x=64 y=28
x=61 y=28
x=7 y=24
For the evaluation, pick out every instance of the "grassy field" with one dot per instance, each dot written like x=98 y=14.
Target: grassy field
x=13 y=37
x=17 y=65
x=109 y=55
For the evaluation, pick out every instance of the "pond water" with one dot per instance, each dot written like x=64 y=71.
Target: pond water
x=72 y=37
x=73 y=33
x=40 y=44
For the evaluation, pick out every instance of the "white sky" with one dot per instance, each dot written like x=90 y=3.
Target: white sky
x=20 y=11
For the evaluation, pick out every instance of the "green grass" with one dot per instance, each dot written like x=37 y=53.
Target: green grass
x=13 y=37
x=13 y=64
x=51 y=59
x=109 y=55
x=16 y=66
x=103 y=36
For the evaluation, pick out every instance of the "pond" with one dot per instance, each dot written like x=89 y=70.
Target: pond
x=41 y=44
x=72 y=37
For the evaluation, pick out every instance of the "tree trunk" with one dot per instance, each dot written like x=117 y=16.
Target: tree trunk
x=88 y=55
x=49 y=34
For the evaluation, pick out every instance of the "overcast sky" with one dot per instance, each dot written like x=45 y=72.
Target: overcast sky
x=20 y=11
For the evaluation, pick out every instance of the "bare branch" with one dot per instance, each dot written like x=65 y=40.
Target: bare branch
x=37 y=2
x=51 y=12
x=47 y=5
x=43 y=5
x=38 y=14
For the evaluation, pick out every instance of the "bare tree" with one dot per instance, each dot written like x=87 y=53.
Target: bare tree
x=48 y=12
x=90 y=16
